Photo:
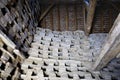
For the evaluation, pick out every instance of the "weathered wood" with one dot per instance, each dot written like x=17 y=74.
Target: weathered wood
x=2 y=49
x=46 y=12
x=75 y=15
x=67 y=18
x=51 y=15
x=58 y=16
x=115 y=7
x=90 y=16
x=110 y=20
x=84 y=15
x=111 y=48
x=6 y=40
x=102 y=21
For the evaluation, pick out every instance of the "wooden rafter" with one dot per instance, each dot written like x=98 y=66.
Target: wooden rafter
x=115 y=7
x=90 y=15
x=46 y=11
x=111 y=47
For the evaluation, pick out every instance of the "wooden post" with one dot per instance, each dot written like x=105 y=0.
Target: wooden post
x=90 y=15
x=115 y=7
x=111 y=48
x=46 y=12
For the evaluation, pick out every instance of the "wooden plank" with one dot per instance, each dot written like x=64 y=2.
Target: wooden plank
x=51 y=15
x=90 y=15
x=6 y=40
x=46 y=11
x=58 y=16
x=111 y=48
x=102 y=21
x=75 y=13
x=67 y=18
x=110 y=20
x=115 y=7
x=44 y=21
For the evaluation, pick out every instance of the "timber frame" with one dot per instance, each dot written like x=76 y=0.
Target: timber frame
x=90 y=16
x=111 y=48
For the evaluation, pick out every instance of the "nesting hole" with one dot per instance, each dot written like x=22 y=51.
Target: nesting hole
x=45 y=64
x=70 y=76
x=50 y=49
x=4 y=11
x=13 y=71
x=68 y=69
x=39 y=52
x=81 y=77
x=60 y=54
x=1 y=53
x=45 y=74
x=2 y=66
x=33 y=74
x=34 y=63
x=67 y=64
x=29 y=67
x=5 y=46
x=59 y=50
x=55 y=70
x=113 y=78
x=44 y=69
x=56 y=64
x=57 y=75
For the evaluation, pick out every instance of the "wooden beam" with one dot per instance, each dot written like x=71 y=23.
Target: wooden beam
x=90 y=15
x=115 y=7
x=111 y=48
x=6 y=40
x=46 y=11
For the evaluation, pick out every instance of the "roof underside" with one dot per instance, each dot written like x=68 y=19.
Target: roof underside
x=72 y=1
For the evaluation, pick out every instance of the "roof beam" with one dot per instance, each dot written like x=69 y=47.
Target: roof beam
x=111 y=48
x=46 y=11
x=115 y=7
x=90 y=16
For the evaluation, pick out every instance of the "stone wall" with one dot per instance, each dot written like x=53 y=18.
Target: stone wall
x=18 y=20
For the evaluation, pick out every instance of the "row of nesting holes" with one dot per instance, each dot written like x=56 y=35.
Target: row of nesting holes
x=62 y=40
x=67 y=64
x=51 y=44
x=58 y=75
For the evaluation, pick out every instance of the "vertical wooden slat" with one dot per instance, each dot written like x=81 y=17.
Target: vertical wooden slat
x=75 y=13
x=58 y=16
x=102 y=21
x=44 y=20
x=84 y=16
x=46 y=11
x=67 y=18
x=110 y=18
x=51 y=19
